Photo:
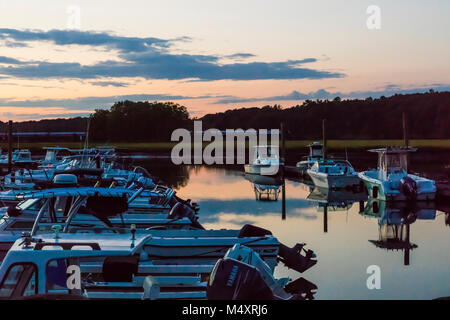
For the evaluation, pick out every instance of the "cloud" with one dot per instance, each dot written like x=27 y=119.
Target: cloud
x=240 y=56
x=14 y=44
x=389 y=90
x=39 y=116
x=109 y=83
x=8 y=60
x=90 y=38
x=149 y=58
x=90 y=103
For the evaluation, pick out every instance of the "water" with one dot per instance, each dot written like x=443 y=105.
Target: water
x=340 y=237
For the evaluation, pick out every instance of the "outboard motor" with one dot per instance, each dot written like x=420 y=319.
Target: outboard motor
x=243 y=275
x=181 y=210
x=409 y=187
x=291 y=257
x=65 y=180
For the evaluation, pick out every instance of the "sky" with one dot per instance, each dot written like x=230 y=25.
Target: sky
x=63 y=58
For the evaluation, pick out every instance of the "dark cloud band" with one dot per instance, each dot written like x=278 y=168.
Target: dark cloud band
x=148 y=58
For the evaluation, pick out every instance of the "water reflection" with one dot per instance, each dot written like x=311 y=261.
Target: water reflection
x=266 y=188
x=334 y=200
x=227 y=200
x=394 y=223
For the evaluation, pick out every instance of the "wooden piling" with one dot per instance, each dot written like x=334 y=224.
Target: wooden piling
x=405 y=138
x=324 y=138
x=10 y=127
x=405 y=130
x=283 y=187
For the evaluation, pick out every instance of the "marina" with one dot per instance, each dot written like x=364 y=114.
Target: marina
x=210 y=159
x=174 y=234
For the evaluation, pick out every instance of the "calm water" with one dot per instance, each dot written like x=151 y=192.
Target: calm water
x=347 y=236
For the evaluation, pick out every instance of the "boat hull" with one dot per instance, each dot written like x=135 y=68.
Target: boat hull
x=378 y=189
x=328 y=181
x=264 y=170
x=303 y=167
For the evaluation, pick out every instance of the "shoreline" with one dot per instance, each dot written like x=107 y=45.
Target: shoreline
x=332 y=144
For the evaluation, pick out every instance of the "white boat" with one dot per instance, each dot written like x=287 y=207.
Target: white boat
x=267 y=161
x=91 y=167
x=120 y=267
x=54 y=156
x=391 y=180
x=315 y=154
x=89 y=208
x=18 y=156
x=333 y=174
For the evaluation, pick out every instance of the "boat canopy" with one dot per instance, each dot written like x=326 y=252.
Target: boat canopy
x=315 y=149
x=392 y=150
x=80 y=191
x=393 y=159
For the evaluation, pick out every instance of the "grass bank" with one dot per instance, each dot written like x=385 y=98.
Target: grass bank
x=290 y=144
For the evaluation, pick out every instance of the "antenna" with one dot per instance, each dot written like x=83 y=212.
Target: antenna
x=86 y=141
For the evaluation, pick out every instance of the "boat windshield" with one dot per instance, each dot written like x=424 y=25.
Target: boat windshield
x=393 y=162
x=316 y=151
x=50 y=155
x=31 y=204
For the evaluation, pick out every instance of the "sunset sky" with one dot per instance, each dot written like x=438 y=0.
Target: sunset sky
x=214 y=55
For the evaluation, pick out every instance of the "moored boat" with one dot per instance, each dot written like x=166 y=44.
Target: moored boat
x=333 y=174
x=315 y=154
x=391 y=180
x=267 y=161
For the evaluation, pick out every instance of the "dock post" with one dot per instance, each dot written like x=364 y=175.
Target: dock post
x=283 y=187
x=405 y=137
x=324 y=137
x=10 y=126
x=406 y=257
x=405 y=130
x=325 y=218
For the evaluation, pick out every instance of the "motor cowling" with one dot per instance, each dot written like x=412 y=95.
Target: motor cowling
x=234 y=280
x=409 y=188
x=243 y=274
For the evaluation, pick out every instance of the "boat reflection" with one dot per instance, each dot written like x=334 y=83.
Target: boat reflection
x=266 y=188
x=394 y=223
x=334 y=200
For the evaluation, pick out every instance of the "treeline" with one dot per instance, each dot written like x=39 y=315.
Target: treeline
x=138 y=121
x=48 y=125
x=428 y=118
